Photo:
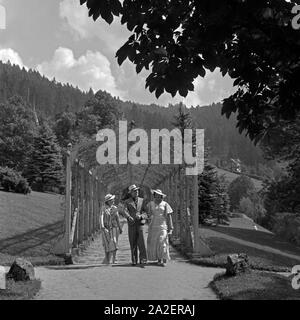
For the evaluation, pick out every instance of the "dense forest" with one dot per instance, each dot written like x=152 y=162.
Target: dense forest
x=51 y=99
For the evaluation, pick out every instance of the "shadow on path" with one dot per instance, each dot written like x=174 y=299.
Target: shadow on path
x=31 y=239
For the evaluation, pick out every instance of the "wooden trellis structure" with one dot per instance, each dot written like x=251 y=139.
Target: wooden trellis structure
x=85 y=191
x=180 y=190
x=83 y=200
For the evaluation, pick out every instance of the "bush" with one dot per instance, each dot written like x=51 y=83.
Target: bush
x=253 y=207
x=287 y=225
x=240 y=187
x=247 y=207
x=23 y=186
x=12 y=181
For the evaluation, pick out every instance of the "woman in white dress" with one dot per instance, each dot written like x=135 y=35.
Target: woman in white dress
x=160 y=227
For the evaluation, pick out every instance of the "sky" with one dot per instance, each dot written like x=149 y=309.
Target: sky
x=57 y=38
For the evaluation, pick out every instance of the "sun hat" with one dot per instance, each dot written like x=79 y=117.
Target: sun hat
x=133 y=188
x=109 y=197
x=159 y=192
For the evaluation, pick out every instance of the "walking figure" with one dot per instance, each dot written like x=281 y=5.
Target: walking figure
x=135 y=213
x=160 y=227
x=111 y=228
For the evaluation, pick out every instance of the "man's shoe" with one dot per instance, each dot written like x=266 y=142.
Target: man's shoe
x=143 y=263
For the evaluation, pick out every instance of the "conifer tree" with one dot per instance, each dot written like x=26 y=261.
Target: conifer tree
x=44 y=170
x=213 y=198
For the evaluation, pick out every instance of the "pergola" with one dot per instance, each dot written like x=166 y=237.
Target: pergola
x=86 y=187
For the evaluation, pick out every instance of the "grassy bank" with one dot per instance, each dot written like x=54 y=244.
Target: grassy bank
x=265 y=250
x=29 y=227
x=7 y=260
x=254 y=286
x=20 y=290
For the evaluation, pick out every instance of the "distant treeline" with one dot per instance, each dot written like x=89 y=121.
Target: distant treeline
x=51 y=99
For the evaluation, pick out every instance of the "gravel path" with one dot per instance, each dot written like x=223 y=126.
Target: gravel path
x=179 y=280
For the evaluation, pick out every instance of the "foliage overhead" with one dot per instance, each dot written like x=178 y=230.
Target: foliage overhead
x=250 y=40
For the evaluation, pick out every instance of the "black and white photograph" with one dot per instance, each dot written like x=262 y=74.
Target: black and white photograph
x=149 y=153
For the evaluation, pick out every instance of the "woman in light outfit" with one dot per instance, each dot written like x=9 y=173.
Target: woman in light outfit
x=111 y=228
x=160 y=227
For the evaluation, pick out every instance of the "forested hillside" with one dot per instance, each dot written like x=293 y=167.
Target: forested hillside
x=49 y=97
x=52 y=99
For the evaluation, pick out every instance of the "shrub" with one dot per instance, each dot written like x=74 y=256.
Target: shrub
x=287 y=225
x=12 y=181
x=247 y=207
x=239 y=188
x=23 y=186
x=253 y=207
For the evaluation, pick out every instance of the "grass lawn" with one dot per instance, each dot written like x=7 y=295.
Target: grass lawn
x=20 y=290
x=29 y=226
x=265 y=250
x=255 y=286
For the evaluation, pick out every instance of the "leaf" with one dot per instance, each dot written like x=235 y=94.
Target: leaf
x=161 y=51
x=159 y=91
x=191 y=86
x=183 y=92
x=202 y=72
x=236 y=82
x=96 y=14
x=139 y=68
x=122 y=53
x=116 y=7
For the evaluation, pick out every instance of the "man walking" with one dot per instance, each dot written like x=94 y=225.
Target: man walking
x=135 y=213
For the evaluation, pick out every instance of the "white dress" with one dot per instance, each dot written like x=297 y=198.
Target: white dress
x=158 y=240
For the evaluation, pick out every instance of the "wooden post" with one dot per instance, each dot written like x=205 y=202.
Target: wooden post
x=94 y=203
x=186 y=208
x=82 y=204
x=98 y=205
x=86 y=200
x=91 y=203
x=76 y=202
x=181 y=203
x=196 y=215
x=176 y=201
x=63 y=246
x=68 y=199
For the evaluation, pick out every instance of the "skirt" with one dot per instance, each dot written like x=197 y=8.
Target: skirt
x=158 y=244
x=110 y=239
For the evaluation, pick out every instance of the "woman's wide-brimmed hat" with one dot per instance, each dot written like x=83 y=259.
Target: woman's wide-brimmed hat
x=133 y=188
x=109 y=197
x=159 y=192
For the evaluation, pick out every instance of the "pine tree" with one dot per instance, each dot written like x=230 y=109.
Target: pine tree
x=44 y=170
x=213 y=197
x=183 y=120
